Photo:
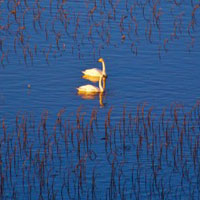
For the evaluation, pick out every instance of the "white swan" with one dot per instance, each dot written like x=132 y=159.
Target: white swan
x=91 y=88
x=96 y=72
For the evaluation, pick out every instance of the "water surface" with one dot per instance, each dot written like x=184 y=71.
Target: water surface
x=151 y=51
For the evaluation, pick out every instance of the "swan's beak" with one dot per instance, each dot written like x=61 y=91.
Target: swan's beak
x=100 y=60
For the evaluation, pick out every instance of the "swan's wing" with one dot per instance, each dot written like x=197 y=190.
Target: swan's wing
x=92 y=72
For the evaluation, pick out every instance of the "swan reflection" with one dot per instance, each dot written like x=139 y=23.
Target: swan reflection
x=91 y=78
x=95 y=79
x=92 y=96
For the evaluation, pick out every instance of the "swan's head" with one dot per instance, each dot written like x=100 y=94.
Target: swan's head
x=100 y=60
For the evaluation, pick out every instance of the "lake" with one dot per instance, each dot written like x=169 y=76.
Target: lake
x=140 y=135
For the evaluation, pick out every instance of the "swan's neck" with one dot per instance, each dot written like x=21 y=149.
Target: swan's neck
x=100 y=86
x=104 y=83
x=104 y=68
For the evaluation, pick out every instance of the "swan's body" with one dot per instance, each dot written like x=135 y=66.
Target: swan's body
x=91 y=88
x=93 y=79
x=96 y=72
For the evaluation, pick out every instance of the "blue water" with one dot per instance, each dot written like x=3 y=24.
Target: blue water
x=132 y=78
x=159 y=74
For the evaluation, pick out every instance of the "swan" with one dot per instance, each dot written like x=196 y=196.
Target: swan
x=85 y=89
x=94 y=72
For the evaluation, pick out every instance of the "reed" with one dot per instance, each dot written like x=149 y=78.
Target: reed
x=59 y=24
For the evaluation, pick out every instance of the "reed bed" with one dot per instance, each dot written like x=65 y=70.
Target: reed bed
x=135 y=156
x=50 y=29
